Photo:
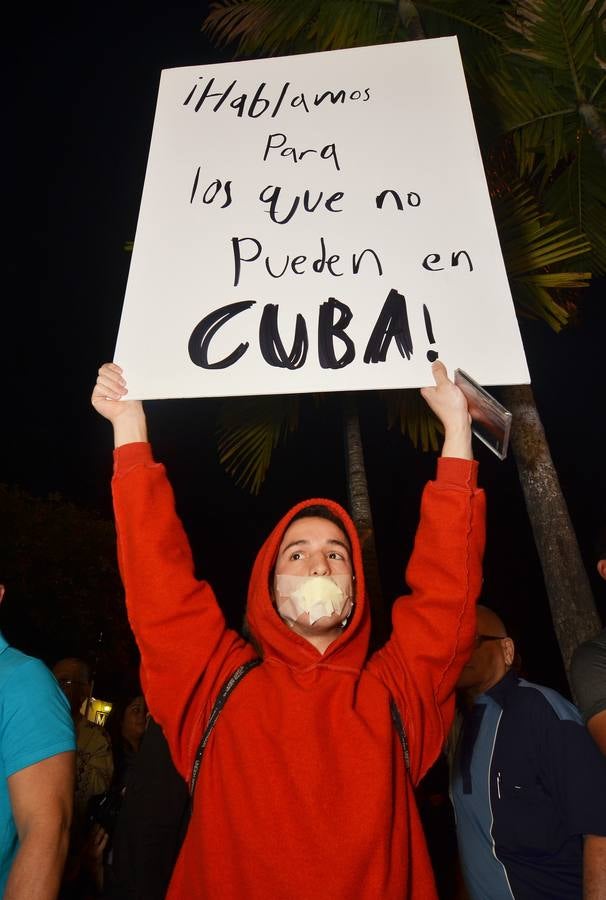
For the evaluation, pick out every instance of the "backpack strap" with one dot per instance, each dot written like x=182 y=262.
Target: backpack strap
x=220 y=702
x=397 y=720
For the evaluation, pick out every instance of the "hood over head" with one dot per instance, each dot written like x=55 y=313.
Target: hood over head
x=275 y=637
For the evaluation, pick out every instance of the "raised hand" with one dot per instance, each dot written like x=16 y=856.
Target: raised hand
x=126 y=416
x=450 y=406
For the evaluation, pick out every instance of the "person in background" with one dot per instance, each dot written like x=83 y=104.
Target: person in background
x=37 y=755
x=126 y=728
x=133 y=856
x=151 y=823
x=588 y=669
x=94 y=761
x=527 y=783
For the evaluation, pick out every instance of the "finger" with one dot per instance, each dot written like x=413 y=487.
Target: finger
x=111 y=367
x=110 y=379
x=106 y=386
x=112 y=372
x=104 y=393
x=439 y=372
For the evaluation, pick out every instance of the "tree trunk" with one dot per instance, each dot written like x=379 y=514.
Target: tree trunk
x=573 y=609
x=359 y=507
x=595 y=125
x=411 y=20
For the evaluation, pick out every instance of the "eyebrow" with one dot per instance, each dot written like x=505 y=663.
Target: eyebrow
x=331 y=541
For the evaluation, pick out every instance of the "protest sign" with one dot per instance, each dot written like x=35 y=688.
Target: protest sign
x=318 y=222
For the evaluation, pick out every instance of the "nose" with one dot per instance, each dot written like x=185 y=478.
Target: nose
x=319 y=565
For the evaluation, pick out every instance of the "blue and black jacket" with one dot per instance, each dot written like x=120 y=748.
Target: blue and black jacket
x=527 y=782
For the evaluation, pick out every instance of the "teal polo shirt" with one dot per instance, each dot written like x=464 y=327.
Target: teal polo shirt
x=35 y=723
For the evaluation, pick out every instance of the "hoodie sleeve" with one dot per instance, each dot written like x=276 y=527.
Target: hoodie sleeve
x=434 y=626
x=186 y=649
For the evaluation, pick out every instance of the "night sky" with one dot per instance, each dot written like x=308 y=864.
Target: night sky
x=78 y=119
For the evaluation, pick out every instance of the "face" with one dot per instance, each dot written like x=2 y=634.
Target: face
x=134 y=719
x=491 y=658
x=312 y=547
x=73 y=682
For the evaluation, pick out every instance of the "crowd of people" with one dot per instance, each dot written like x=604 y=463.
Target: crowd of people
x=289 y=762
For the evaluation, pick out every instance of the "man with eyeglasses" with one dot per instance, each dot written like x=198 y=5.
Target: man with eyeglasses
x=94 y=760
x=527 y=783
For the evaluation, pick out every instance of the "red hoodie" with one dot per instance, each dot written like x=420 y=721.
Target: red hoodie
x=303 y=791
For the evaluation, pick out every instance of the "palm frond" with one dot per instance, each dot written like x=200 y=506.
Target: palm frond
x=535 y=245
x=579 y=194
x=259 y=26
x=558 y=33
x=408 y=411
x=534 y=84
x=270 y=27
x=358 y=23
x=543 y=122
x=478 y=24
x=249 y=430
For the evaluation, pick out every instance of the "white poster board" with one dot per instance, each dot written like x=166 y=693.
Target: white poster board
x=318 y=222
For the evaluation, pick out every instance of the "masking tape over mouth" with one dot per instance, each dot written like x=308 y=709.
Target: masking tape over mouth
x=315 y=596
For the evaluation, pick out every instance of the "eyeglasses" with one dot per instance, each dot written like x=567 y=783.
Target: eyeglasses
x=480 y=638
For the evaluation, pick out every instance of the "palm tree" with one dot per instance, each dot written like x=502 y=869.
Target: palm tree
x=552 y=101
x=543 y=124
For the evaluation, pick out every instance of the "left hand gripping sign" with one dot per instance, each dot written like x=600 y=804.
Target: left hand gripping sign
x=316 y=223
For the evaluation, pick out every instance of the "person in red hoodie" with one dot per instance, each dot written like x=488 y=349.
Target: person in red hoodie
x=306 y=789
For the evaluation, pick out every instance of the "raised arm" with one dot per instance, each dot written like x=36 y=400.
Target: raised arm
x=450 y=406
x=127 y=416
x=434 y=626
x=186 y=649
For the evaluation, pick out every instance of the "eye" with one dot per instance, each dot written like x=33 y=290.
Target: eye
x=296 y=555
x=335 y=555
